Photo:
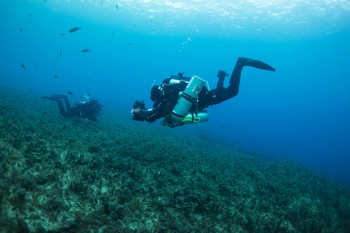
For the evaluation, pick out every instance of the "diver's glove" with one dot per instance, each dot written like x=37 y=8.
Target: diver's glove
x=139 y=114
x=139 y=111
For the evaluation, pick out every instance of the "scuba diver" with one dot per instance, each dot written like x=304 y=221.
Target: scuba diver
x=182 y=100
x=85 y=108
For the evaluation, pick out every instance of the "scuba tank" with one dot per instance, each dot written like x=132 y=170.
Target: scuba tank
x=190 y=118
x=187 y=98
x=197 y=117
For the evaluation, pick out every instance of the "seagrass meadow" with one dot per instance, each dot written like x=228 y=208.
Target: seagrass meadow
x=116 y=175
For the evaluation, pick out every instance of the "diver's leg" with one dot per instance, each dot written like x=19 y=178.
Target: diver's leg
x=221 y=78
x=218 y=94
x=53 y=97
x=63 y=111
x=235 y=79
x=68 y=107
x=220 y=83
x=221 y=94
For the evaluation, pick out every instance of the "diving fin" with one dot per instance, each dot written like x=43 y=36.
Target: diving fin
x=244 y=61
x=53 y=97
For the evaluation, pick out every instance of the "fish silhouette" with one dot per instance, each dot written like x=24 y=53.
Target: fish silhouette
x=74 y=29
x=23 y=66
x=86 y=50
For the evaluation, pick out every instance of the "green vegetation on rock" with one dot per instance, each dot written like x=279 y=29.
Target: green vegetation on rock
x=73 y=175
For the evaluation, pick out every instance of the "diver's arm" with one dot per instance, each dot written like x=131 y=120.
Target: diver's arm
x=161 y=107
x=156 y=113
x=149 y=115
x=141 y=113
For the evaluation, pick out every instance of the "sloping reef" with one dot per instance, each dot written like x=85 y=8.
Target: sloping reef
x=116 y=175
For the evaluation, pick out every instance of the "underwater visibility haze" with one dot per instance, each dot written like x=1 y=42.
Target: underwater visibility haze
x=116 y=50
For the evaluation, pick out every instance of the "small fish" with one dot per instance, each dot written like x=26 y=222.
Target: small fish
x=62 y=34
x=69 y=93
x=74 y=29
x=129 y=43
x=30 y=15
x=55 y=76
x=20 y=29
x=61 y=52
x=23 y=66
x=86 y=50
x=116 y=6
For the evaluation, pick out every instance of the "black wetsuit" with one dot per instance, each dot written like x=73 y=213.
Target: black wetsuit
x=206 y=98
x=89 y=109
x=166 y=98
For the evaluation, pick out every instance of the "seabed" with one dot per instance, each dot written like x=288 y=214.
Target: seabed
x=117 y=175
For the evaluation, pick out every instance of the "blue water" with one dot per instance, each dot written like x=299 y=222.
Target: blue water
x=300 y=113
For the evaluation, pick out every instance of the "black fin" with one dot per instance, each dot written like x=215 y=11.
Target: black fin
x=244 y=61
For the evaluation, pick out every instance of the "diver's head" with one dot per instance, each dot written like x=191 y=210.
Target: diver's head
x=156 y=93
